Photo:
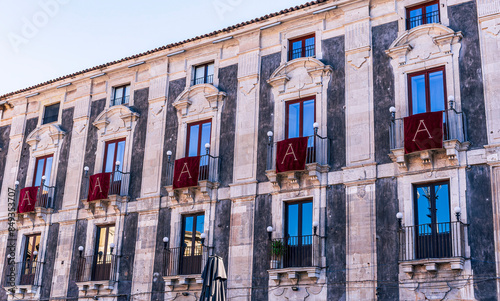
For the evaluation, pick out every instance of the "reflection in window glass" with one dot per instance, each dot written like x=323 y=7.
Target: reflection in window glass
x=293 y=120
x=418 y=94
x=436 y=89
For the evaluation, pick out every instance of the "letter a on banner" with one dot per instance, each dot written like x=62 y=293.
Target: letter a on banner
x=291 y=154
x=289 y=151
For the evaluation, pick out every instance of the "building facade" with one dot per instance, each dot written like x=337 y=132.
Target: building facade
x=294 y=146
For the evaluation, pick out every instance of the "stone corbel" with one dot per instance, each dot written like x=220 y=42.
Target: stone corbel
x=128 y=118
x=452 y=149
x=357 y=58
x=319 y=73
x=426 y=156
x=445 y=41
x=206 y=188
x=213 y=99
x=398 y=156
x=399 y=53
x=273 y=178
x=280 y=82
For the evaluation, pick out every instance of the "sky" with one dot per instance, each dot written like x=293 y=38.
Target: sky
x=44 y=39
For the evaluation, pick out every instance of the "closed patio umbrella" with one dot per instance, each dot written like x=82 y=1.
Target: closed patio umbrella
x=213 y=276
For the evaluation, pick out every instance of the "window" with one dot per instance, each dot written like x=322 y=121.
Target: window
x=204 y=74
x=114 y=151
x=30 y=257
x=422 y=14
x=301 y=47
x=43 y=167
x=192 y=248
x=102 y=260
x=197 y=136
x=432 y=220
x=51 y=113
x=299 y=236
x=121 y=95
x=427 y=90
x=300 y=117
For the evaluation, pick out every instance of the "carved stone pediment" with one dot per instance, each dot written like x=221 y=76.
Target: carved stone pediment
x=199 y=99
x=424 y=42
x=45 y=136
x=116 y=119
x=301 y=73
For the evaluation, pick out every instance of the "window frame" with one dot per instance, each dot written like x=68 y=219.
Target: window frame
x=299 y=225
x=206 y=75
x=44 y=166
x=433 y=205
x=189 y=125
x=45 y=113
x=98 y=237
x=303 y=42
x=123 y=97
x=183 y=226
x=301 y=119
x=116 y=141
x=427 y=88
x=423 y=6
x=26 y=245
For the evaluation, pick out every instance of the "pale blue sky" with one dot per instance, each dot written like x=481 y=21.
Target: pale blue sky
x=45 y=39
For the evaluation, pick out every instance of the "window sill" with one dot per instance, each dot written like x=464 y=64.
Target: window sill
x=294 y=273
x=172 y=281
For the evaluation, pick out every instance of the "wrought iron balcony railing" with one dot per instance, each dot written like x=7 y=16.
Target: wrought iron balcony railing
x=118 y=183
x=185 y=260
x=440 y=240
x=430 y=17
x=98 y=267
x=454 y=128
x=208 y=170
x=317 y=151
x=209 y=79
x=28 y=273
x=120 y=100
x=306 y=51
x=294 y=251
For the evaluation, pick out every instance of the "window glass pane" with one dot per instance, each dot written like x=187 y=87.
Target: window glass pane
x=199 y=74
x=188 y=234
x=432 y=14
x=36 y=241
x=200 y=221
x=118 y=93
x=51 y=113
x=110 y=154
x=307 y=127
x=119 y=154
x=293 y=220
x=193 y=140
x=101 y=242
x=307 y=219
x=296 y=50
x=442 y=203
x=436 y=86
x=39 y=172
x=111 y=238
x=423 y=205
x=418 y=94
x=416 y=18
x=310 y=47
x=293 y=120
x=127 y=91
x=210 y=69
x=48 y=169
x=205 y=136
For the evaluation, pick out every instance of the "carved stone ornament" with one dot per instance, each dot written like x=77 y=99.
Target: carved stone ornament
x=45 y=136
x=199 y=99
x=424 y=42
x=116 y=119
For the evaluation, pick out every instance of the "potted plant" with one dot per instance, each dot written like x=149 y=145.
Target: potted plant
x=277 y=251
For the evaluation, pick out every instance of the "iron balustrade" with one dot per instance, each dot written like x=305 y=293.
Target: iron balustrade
x=118 y=184
x=306 y=51
x=454 y=128
x=293 y=251
x=208 y=170
x=97 y=267
x=120 y=100
x=184 y=260
x=209 y=79
x=317 y=151
x=28 y=272
x=439 y=240
x=45 y=196
x=430 y=17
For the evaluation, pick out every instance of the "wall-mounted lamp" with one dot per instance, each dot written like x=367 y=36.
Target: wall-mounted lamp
x=399 y=216
x=393 y=113
x=16 y=183
x=165 y=243
x=269 y=232
x=86 y=170
x=315 y=227
x=117 y=163
x=80 y=249
x=451 y=101
x=458 y=211
x=315 y=126
x=169 y=155
x=270 y=137
x=111 y=248
x=207 y=147
x=203 y=236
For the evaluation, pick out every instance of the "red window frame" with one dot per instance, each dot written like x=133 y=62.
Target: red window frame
x=303 y=40
x=301 y=118
x=427 y=88
x=32 y=238
x=423 y=6
x=199 y=134
x=44 y=166
x=114 y=155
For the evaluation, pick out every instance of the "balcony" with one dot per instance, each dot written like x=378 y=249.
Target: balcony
x=431 y=245
x=119 y=101
x=430 y=17
x=37 y=201
x=110 y=191
x=294 y=255
x=207 y=180
x=316 y=163
x=455 y=138
x=96 y=272
x=27 y=280
x=184 y=265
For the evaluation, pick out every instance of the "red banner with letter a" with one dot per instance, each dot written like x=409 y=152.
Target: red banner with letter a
x=186 y=172
x=99 y=186
x=27 y=199
x=291 y=154
x=423 y=131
